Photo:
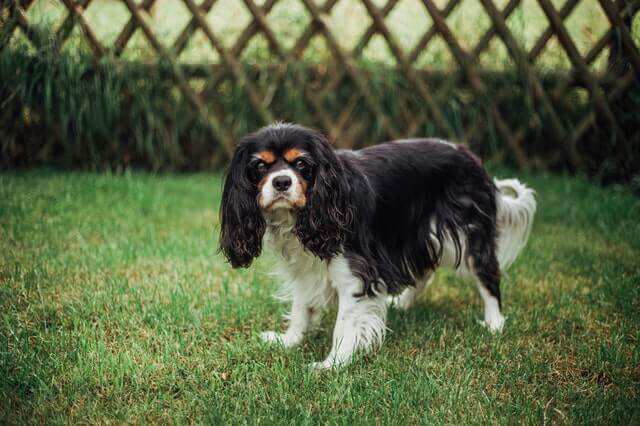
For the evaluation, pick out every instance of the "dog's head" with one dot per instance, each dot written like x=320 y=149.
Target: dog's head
x=283 y=168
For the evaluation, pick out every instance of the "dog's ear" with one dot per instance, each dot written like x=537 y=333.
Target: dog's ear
x=242 y=223
x=323 y=223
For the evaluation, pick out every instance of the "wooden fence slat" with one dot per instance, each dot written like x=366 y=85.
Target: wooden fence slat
x=593 y=53
x=128 y=30
x=346 y=61
x=183 y=39
x=332 y=84
x=313 y=101
x=250 y=30
x=64 y=31
x=20 y=19
x=414 y=124
x=466 y=63
x=339 y=74
x=241 y=42
x=580 y=67
x=614 y=15
x=215 y=127
x=486 y=38
x=12 y=23
x=544 y=38
x=426 y=38
x=420 y=104
x=533 y=84
x=372 y=29
x=77 y=9
x=481 y=45
x=275 y=46
x=535 y=51
x=563 y=86
x=261 y=21
x=234 y=66
x=622 y=84
x=410 y=75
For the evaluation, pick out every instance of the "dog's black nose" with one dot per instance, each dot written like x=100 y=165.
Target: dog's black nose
x=281 y=183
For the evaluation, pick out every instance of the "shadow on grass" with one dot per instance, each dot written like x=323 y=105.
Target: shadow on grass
x=424 y=322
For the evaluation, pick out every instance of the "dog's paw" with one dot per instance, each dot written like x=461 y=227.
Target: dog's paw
x=330 y=363
x=404 y=301
x=281 y=339
x=322 y=365
x=271 y=337
x=494 y=324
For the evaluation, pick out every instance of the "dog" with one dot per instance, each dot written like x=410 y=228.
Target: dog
x=363 y=227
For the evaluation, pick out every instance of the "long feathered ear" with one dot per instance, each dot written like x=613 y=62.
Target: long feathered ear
x=323 y=223
x=242 y=223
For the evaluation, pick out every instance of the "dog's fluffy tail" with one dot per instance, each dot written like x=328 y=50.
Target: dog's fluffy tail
x=516 y=208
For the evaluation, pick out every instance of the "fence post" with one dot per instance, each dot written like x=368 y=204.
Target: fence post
x=618 y=59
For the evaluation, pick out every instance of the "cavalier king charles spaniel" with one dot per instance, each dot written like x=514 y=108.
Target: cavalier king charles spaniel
x=368 y=228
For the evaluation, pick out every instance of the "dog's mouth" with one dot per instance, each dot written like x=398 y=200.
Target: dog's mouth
x=279 y=202
x=282 y=201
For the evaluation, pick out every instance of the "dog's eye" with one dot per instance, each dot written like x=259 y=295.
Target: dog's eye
x=261 y=166
x=301 y=165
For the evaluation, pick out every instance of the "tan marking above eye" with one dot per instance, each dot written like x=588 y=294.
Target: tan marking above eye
x=292 y=154
x=266 y=156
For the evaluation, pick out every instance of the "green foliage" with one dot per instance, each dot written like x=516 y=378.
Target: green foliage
x=66 y=109
x=115 y=307
x=71 y=111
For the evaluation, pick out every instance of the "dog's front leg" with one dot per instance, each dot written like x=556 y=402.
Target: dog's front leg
x=300 y=318
x=360 y=324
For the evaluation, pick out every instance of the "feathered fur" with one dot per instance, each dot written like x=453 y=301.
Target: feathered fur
x=516 y=209
x=372 y=223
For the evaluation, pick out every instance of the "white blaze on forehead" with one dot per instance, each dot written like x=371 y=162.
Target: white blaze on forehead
x=268 y=193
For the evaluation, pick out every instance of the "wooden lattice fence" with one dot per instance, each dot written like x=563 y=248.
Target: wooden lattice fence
x=422 y=106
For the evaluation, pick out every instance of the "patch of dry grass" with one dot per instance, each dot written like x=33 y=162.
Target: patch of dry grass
x=115 y=307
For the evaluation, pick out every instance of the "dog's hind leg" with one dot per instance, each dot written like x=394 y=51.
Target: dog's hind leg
x=493 y=318
x=486 y=271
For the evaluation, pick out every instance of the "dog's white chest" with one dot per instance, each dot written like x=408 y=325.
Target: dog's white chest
x=301 y=272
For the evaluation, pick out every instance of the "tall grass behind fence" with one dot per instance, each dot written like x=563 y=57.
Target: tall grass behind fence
x=171 y=84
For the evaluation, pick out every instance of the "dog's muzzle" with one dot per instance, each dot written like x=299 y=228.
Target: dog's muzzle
x=281 y=189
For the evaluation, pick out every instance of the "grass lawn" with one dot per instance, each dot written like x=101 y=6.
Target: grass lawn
x=116 y=307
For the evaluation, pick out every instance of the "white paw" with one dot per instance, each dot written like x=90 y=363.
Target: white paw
x=323 y=365
x=272 y=337
x=403 y=302
x=494 y=324
x=278 y=339
x=329 y=363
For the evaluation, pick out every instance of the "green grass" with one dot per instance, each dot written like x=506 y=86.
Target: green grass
x=115 y=307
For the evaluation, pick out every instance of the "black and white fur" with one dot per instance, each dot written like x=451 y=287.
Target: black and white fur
x=362 y=227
